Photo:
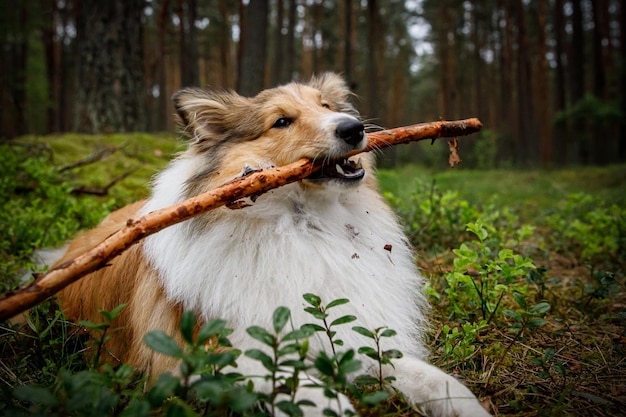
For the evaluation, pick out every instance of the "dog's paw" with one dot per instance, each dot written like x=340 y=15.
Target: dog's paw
x=454 y=400
x=434 y=392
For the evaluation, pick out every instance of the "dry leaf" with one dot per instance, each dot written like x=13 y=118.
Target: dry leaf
x=454 y=158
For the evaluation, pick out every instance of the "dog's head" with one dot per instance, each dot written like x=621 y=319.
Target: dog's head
x=274 y=128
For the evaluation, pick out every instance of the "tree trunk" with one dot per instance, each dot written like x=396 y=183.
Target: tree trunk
x=622 y=81
x=189 y=72
x=254 y=45
x=277 y=69
x=577 y=66
x=291 y=34
x=527 y=144
x=560 y=100
x=163 y=99
x=348 y=41
x=225 y=46
x=599 y=8
x=110 y=95
x=52 y=57
x=14 y=52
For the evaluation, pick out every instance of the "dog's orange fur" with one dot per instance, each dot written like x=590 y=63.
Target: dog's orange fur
x=118 y=284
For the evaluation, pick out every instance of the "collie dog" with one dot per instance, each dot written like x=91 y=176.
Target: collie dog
x=330 y=234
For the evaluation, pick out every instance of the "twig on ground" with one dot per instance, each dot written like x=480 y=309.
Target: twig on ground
x=98 y=155
x=102 y=191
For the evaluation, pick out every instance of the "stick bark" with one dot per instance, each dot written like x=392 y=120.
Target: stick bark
x=256 y=183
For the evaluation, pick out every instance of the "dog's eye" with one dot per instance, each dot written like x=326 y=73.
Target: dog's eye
x=283 y=122
x=326 y=105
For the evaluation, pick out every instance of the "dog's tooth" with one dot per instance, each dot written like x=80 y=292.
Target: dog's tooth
x=339 y=169
x=358 y=163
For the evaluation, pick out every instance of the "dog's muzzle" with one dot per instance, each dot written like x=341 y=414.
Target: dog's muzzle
x=351 y=131
x=343 y=170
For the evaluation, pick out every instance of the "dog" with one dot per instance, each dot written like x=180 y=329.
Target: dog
x=330 y=234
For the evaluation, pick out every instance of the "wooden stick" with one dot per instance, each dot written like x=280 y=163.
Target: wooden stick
x=254 y=184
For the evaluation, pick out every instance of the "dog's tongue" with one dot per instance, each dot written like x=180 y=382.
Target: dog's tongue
x=346 y=169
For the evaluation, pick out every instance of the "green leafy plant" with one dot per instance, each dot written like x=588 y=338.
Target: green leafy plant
x=319 y=311
x=589 y=229
x=482 y=276
x=459 y=343
x=344 y=363
x=204 y=379
x=284 y=369
x=380 y=357
x=547 y=365
x=100 y=331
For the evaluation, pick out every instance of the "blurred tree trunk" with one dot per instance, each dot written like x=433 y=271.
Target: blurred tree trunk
x=446 y=40
x=348 y=41
x=505 y=113
x=375 y=61
x=279 y=64
x=52 y=57
x=189 y=72
x=600 y=154
x=576 y=66
x=225 y=45
x=560 y=100
x=254 y=45
x=527 y=142
x=599 y=9
x=622 y=81
x=316 y=34
x=477 y=61
x=290 y=46
x=14 y=52
x=110 y=95
x=66 y=70
x=540 y=76
x=161 y=70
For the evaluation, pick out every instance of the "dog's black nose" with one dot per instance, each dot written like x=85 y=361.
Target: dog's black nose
x=352 y=131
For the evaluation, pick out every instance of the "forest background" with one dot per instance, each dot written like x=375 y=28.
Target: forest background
x=525 y=266
x=546 y=77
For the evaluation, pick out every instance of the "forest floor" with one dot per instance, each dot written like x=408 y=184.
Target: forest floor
x=526 y=273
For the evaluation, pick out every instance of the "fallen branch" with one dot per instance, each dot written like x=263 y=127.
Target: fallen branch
x=98 y=155
x=102 y=191
x=254 y=184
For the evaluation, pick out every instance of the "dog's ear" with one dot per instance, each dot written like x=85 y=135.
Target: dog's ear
x=210 y=116
x=335 y=90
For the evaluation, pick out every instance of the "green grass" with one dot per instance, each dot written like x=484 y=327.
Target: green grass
x=528 y=306
x=538 y=189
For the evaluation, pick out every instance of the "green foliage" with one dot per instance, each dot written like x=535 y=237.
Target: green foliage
x=45 y=345
x=459 y=343
x=485 y=150
x=590 y=109
x=38 y=209
x=527 y=284
x=379 y=357
x=100 y=331
x=205 y=383
x=337 y=367
x=585 y=225
x=433 y=219
x=482 y=276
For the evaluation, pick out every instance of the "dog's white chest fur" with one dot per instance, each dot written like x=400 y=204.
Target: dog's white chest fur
x=335 y=244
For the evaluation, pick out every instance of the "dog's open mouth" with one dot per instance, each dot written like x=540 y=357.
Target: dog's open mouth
x=343 y=170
